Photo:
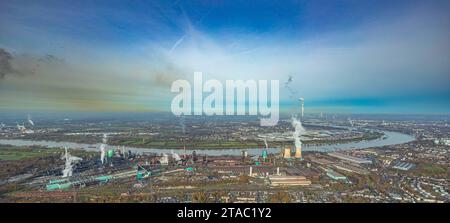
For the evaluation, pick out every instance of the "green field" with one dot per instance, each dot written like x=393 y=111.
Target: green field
x=19 y=154
x=13 y=153
x=431 y=169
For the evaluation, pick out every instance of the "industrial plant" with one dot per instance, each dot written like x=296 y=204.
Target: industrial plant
x=312 y=159
x=224 y=101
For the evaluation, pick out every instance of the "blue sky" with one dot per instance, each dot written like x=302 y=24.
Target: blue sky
x=344 y=56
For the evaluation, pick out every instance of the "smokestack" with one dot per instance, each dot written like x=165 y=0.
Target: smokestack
x=287 y=153
x=264 y=152
x=302 y=104
x=251 y=171
x=278 y=171
x=194 y=156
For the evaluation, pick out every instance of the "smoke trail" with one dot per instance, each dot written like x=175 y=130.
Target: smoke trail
x=299 y=130
x=293 y=93
x=288 y=81
x=5 y=63
x=24 y=64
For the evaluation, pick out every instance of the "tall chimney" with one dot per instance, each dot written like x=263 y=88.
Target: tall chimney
x=302 y=104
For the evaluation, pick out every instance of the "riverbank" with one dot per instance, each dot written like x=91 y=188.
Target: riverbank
x=390 y=138
x=177 y=144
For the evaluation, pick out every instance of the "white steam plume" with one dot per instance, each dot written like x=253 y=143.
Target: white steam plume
x=102 y=148
x=299 y=130
x=70 y=161
x=265 y=143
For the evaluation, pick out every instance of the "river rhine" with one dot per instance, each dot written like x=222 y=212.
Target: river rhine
x=390 y=138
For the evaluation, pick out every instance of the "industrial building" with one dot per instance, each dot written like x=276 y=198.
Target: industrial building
x=299 y=171
x=348 y=158
x=225 y=161
x=351 y=168
x=403 y=166
x=335 y=175
x=244 y=170
x=321 y=161
x=289 y=181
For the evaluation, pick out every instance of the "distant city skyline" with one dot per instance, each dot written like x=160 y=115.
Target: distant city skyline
x=115 y=56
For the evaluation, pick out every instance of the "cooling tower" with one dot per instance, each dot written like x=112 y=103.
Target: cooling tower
x=298 y=152
x=287 y=153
